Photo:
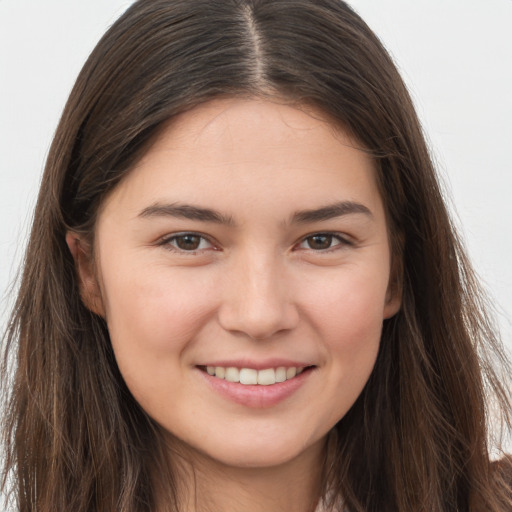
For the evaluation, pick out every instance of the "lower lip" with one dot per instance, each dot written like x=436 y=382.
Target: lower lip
x=257 y=396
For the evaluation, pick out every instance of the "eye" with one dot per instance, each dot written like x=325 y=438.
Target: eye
x=188 y=242
x=322 y=242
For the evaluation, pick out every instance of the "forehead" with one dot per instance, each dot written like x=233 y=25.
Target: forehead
x=231 y=150
x=231 y=123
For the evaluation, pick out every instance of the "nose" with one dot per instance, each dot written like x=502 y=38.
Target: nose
x=258 y=299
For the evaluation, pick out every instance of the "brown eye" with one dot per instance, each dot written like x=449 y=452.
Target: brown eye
x=322 y=242
x=319 y=242
x=189 y=242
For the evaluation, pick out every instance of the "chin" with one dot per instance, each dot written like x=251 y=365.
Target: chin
x=262 y=454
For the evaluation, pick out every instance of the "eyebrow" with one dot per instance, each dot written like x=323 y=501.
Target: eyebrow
x=330 y=212
x=185 y=211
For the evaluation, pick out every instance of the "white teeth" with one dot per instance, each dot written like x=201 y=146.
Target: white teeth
x=291 y=372
x=250 y=376
x=280 y=374
x=232 y=374
x=267 y=377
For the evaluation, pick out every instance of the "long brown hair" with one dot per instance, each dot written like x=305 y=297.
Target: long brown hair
x=417 y=437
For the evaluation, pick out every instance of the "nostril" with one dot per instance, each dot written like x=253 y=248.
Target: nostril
x=258 y=321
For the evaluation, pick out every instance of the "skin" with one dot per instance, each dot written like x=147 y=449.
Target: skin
x=255 y=287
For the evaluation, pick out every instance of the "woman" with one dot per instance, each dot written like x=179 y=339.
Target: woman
x=242 y=290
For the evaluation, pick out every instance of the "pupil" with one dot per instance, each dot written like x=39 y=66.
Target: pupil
x=320 y=242
x=188 y=242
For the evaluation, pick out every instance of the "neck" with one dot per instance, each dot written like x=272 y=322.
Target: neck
x=206 y=485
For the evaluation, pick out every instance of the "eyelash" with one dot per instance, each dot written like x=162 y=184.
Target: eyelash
x=168 y=242
x=171 y=243
x=341 y=241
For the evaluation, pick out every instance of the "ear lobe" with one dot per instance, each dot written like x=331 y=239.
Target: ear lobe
x=393 y=303
x=395 y=289
x=394 y=293
x=90 y=291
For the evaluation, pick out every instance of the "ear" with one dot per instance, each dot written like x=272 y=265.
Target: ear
x=88 y=284
x=393 y=300
x=395 y=290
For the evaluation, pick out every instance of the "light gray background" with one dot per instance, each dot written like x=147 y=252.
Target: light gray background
x=455 y=56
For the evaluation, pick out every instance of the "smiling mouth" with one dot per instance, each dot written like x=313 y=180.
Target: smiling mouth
x=250 y=376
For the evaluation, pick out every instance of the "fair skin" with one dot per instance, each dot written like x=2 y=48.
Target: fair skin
x=250 y=236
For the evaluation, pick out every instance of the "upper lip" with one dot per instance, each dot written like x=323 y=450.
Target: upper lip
x=257 y=365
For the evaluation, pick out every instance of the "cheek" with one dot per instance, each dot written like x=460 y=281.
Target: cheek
x=349 y=305
x=154 y=312
x=153 y=317
x=345 y=315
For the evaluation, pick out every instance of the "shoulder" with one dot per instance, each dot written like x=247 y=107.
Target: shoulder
x=502 y=468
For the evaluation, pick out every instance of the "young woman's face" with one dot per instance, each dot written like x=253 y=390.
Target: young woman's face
x=249 y=244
